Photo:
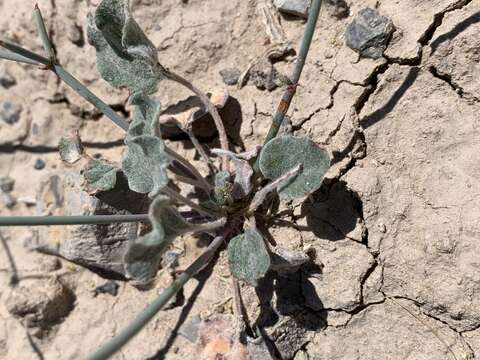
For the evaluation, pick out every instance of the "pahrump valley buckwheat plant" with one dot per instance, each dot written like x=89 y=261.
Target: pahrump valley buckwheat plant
x=239 y=192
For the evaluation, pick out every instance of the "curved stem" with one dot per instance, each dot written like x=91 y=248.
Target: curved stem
x=209 y=106
x=182 y=199
x=209 y=226
x=176 y=156
x=146 y=315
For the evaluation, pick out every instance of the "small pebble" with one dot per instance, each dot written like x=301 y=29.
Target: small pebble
x=294 y=7
x=110 y=287
x=368 y=34
x=39 y=164
x=7 y=183
x=6 y=79
x=10 y=112
x=230 y=76
x=189 y=330
x=7 y=200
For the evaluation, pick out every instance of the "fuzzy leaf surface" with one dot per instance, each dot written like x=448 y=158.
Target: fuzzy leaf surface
x=125 y=56
x=283 y=153
x=143 y=256
x=248 y=257
x=145 y=162
x=100 y=175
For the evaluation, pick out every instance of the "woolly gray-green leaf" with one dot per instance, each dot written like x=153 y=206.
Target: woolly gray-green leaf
x=281 y=154
x=248 y=257
x=145 y=118
x=143 y=256
x=145 y=164
x=125 y=56
x=100 y=175
x=70 y=149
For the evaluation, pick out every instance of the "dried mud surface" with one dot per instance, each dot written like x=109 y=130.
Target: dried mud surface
x=395 y=227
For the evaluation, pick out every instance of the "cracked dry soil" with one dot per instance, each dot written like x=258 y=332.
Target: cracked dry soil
x=395 y=228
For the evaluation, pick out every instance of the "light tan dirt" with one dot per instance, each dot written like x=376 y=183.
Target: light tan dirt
x=395 y=228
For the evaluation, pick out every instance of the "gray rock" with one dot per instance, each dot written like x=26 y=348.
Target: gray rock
x=6 y=79
x=39 y=164
x=98 y=247
x=110 y=287
x=264 y=76
x=368 y=34
x=230 y=76
x=7 y=200
x=7 y=183
x=338 y=8
x=189 y=330
x=295 y=7
x=10 y=112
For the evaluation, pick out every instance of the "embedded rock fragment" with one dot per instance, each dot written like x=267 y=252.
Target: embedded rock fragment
x=264 y=76
x=338 y=8
x=41 y=304
x=230 y=76
x=293 y=7
x=368 y=34
x=6 y=79
x=10 y=112
x=98 y=247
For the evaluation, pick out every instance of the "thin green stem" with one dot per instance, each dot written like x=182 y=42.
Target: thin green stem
x=24 y=52
x=297 y=71
x=182 y=199
x=151 y=310
x=42 y=31
x=69 y=220
x=8 y=55
x=83 y=91
x=176 y=156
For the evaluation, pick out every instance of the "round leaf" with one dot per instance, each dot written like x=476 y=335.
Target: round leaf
x=282 y=154
x=248 y=257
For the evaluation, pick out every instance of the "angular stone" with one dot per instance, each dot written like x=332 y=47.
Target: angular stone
x=368 y=34
x=264 y=76
x=10 y=112
x=338 y=8
x=6 y=79
x=294 y=7
x=98 y=247
x=230 y=76
x=7 y=183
